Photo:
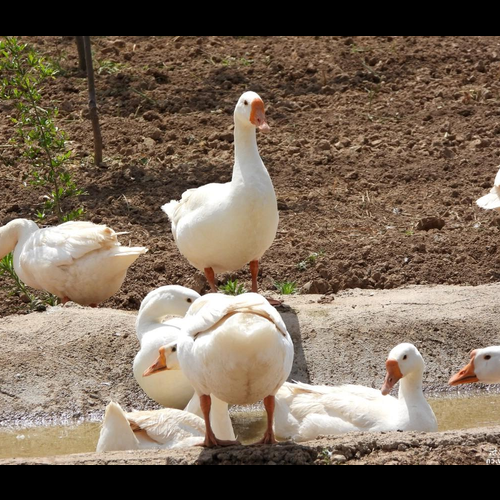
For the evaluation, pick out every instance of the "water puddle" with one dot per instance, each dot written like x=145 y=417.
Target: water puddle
x=48 y=441
x=453 y=413
x=458 y=413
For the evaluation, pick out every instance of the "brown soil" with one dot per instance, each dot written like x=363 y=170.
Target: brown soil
x=370 y=136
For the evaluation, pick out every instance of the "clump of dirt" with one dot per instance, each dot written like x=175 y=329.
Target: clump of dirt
x=370 y=135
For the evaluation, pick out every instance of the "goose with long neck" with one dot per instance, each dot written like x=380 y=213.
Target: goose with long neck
x=77 y=261
x=305 y=412
x=158 y=324
x=220 y=228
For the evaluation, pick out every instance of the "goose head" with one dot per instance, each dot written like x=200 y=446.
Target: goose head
x=484 y=367
x=16 y=231
x=167 y=301
x=250 y=111
x=167 y=361
x=404 y=361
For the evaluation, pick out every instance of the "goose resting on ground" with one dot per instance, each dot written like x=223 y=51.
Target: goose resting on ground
x=149 y=430
x=305 y=412
x=77 y=261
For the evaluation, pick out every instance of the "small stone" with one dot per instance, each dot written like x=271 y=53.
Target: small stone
x=339 y=459
x=150 y=143
x=151 y=116
x=121 y=44
x=324 y=145
x=448 y=154
x=156 y=135
x=316 y=287
x=429 y=223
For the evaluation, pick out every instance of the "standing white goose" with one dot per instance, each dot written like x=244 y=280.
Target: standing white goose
x=492 y=200
x=305 y=412
x=484 y=368
x=170 y=389
x=239 y=350
x=221 y=228
x=77 y=261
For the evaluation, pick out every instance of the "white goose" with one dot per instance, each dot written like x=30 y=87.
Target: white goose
x=484 y=368
x=167 y=370
x=77 y=261
x=492 y=200
x=305 y=412
x=220 y=228
x=239 y=350
x=149 y=430
x=170 y=389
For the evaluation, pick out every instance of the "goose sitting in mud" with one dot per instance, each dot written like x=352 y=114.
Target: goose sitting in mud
x=305 y=412
x=149 y=430
x=484 y=368
x=79 y=262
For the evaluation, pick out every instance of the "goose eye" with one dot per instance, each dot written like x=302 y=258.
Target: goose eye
x=487 y=358
x=190 y=301
x=405 y=358
x=246 y=103
x=174 y=349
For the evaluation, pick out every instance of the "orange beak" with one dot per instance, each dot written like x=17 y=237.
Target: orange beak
x=467 y=375
x=258 y=116
x=394 y=375
x=159 y=366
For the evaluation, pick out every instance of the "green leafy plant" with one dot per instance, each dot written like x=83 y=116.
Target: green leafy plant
x=310 y=261
x=23 y=73
x=286 y=288
x=109 y=67
x=233 y=288
x=34 y=302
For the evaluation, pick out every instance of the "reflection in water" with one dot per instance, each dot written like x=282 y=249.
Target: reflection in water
x=453 y=413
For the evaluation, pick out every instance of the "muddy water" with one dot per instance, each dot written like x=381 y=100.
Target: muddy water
x=48 y=441
x=453 y=413
x=456 y=413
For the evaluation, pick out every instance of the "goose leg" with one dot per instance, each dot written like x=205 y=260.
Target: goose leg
x=254 y=269
x=269 y=437
x=210 y=275
x=210 y=440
